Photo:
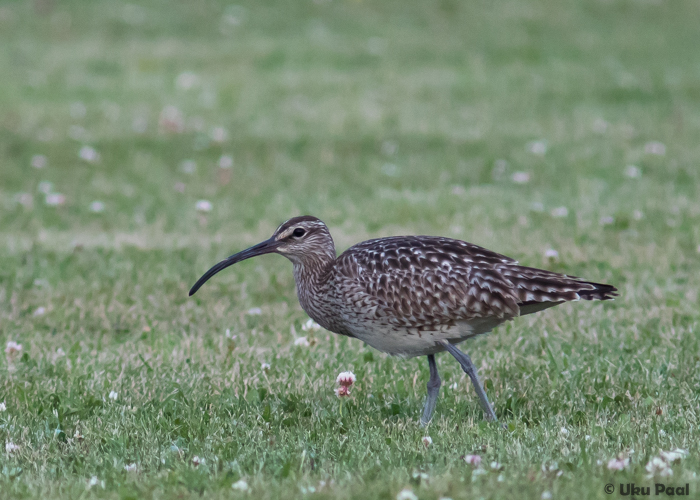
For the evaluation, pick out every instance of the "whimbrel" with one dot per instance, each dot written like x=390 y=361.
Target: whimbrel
x=413 y=295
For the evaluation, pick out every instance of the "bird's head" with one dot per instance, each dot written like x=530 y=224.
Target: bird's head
x=303 y=240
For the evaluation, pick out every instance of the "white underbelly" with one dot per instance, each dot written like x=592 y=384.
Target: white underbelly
x=410 y=342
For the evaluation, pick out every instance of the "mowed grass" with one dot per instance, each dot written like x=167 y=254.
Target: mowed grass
x=522 y=126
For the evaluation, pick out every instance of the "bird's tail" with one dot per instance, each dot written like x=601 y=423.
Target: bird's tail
x=538 y=287
x=600 y=291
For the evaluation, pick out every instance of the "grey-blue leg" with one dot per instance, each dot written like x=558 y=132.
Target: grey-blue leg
x=433 y=391
x=470 y=370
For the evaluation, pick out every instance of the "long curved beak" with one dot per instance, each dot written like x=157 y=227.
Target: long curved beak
x=267 y=246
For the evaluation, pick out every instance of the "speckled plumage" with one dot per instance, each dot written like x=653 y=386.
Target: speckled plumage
x=402 y=294
x=413 y=295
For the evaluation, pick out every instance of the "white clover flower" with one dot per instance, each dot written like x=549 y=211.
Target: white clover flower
x=618 y=464
x=520 y=177
x=310 y=326
x=550 y=253
x=219 y=134
x=390 y=170
x=55 y=199
x=406 y=494
x=225 y=162
x=473 y=460
x=13 y=348
x=93 y=482
x=203 y=206
x=658 y=467
x=552 y=467
x=97 y=207
x=479 y=471
x=633 y=172
x=265 y=367
x=113 y=395
x=345 y=379
x=130 y=468
x=188 y=166
x=560 y=212
x=241 y=485
x=546 y=495
x=186 y=80
x=427 y=441
x=40 y=311
x=667 y=472
x=39 y=161
x=302 y=342
x=537 y=147
x=89 y=154
x=11 y=447
x=196 y=461
x=25 y=199
x=254 y=311
x=495 y=465
x=171 y=120
x=672 y=457
x=607 y=220
x=564 y=431
x=458 y=190
x=454 y=386
x=3 y=407
x=420 y=475
x=655 y=148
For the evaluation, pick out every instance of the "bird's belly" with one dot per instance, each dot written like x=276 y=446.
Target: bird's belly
x=410 y=342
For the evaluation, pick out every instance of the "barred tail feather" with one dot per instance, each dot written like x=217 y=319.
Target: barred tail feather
x=600 y=292
x=538 y=289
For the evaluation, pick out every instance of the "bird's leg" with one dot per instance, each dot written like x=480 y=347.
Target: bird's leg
x=433 y=391
x=470 y=370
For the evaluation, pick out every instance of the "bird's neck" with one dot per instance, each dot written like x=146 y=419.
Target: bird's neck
x=309 y=271
x=311 y=276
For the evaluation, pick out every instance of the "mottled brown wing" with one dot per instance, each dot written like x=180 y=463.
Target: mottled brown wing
x=421 y=281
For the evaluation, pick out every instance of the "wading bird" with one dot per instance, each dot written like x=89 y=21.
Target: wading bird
x=413 y=295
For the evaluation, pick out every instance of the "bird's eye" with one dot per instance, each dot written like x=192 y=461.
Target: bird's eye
x=298 y=232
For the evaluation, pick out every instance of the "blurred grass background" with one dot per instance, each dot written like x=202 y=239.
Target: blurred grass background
x=142 y=142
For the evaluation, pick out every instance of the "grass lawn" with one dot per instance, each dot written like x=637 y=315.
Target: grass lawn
x=140 y=143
